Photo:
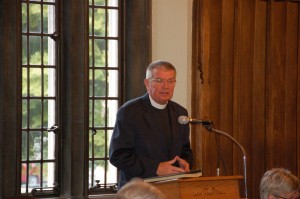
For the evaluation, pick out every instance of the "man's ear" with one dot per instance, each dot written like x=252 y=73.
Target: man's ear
x=146 y=83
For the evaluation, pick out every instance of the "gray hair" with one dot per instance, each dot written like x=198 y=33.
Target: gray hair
x=158 y=64
x=138 y=189
x=278 y=181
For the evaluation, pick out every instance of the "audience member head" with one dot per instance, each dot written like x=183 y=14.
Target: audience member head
x=138 y=189
x=279 y=183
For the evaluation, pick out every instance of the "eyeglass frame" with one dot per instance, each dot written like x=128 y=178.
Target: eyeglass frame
x=160 y=81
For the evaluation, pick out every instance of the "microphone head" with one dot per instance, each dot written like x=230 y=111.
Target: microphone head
x=183 y=119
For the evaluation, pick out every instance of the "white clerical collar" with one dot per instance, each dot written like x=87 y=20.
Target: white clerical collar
x=157 y=105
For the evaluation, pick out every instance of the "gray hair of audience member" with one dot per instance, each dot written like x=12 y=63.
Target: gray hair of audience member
x=158 y=64
x=138 y=189
x=278 y=181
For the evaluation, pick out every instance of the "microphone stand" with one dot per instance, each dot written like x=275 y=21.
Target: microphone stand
x=210 y=128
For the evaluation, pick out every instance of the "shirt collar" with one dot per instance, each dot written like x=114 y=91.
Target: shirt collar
x=157 y=105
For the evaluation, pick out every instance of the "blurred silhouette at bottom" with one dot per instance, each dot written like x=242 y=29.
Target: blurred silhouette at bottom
x=279 y=183
x=138 y=189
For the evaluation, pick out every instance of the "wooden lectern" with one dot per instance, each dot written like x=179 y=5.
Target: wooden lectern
x=217 y=187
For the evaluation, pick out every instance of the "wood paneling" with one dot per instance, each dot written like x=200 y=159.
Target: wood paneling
x=246 y=80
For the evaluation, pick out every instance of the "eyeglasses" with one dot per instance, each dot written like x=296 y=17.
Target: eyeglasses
x=161 y=81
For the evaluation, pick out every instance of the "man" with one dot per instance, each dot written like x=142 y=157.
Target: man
x=147 y=140
x=279 y=183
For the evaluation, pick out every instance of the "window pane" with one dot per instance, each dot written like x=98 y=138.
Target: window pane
x=91 y=113
x=24 y=17
x=99 y=144
x=112 y=107
x=91 y=83
x=24 y=113
x=90 y=22
x=24 y=146
x=49 y=113
x=112 y=53
x=35 y=50
x=99 y=113
x=49 y=82
x=91 y=135
x=99 y=170
x=48 y=174
x=99 y=52
x=49 y=51
x=48 y=143
x=34 y=175
x=35 y=82
x=23 y=178
x=112 y=23
x=24 y=82
x=99 y=22
x=112 y=3
x=91 y=53
x=24 y=50
x=35 y=18
x=99 y=2
x=35 y=118
x=35 y=145
x=48 y=18
x=113 y=81
x=100 y=83
x=111 y=174
x=90 y=174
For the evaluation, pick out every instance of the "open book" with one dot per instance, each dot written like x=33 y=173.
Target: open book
x=191 y=174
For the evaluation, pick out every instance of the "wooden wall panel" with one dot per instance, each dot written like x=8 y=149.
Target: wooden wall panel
x=290 y=117
x=225 y=82
x=257 y=151
x=246 y=80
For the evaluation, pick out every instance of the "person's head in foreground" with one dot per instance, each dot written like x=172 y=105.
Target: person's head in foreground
x=279 y=183
x=138 y=189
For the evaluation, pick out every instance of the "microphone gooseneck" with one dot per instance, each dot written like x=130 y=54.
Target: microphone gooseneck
x=209 y=126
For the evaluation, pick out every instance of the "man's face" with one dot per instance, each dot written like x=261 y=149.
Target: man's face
x=161 y=86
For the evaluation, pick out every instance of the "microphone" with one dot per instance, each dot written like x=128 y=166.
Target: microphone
x=184 y=120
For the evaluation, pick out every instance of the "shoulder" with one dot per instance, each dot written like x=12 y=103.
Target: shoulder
x=138 y=103
x=175 y=106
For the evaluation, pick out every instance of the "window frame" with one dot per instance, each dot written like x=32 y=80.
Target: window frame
x=136 y=55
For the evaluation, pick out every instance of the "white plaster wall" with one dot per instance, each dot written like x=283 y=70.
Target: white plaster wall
x=171 y=40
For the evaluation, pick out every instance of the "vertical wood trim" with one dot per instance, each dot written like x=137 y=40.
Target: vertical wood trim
x=275 y=84
x=214 y=67
x=196 y=81
x=137 y=46
x=290 y=117
x=259 y=98
x=225 y=119
x=74 y=129
x=298 y=98
x=10 y=127
x=236 y=71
